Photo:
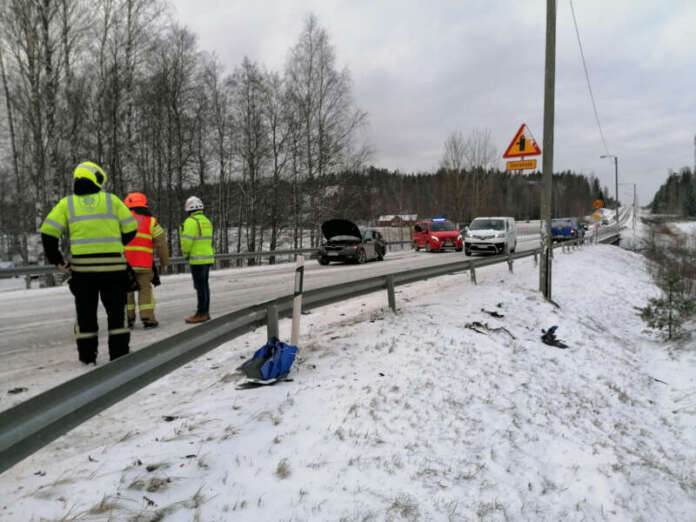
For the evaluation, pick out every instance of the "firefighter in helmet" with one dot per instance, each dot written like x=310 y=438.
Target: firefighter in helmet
x=196 y=235
x=99 y=225
x=150 y=237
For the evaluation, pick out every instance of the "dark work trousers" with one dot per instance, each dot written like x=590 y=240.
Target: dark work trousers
x=200 y=283
x=87 y=289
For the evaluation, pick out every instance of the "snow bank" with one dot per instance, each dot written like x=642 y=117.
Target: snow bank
x=420 y=415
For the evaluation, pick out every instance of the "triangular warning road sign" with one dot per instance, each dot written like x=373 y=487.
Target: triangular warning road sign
x=523 y=144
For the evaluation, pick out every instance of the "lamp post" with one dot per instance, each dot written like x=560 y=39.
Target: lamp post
x=616 y=180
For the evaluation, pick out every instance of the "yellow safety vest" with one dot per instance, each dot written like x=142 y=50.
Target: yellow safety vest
x=196 y=235
x=95 y=223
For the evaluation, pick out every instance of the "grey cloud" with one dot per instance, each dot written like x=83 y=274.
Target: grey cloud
x=422 y=69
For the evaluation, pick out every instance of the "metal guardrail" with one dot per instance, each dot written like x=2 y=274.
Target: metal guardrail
x=179 y=260
x=30 y=425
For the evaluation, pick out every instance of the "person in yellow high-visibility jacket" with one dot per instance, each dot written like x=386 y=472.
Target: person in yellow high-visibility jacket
x=99 y=225
x=196 y=236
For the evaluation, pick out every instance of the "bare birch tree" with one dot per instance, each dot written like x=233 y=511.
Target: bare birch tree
x=278 y=121
x=253 y=146
x=325 y=110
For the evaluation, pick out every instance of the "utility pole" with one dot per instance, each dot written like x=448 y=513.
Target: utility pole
x=547 y=163
x=616 y=180
x=635 y=200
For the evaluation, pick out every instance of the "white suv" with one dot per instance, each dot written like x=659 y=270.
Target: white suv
x=491 y=234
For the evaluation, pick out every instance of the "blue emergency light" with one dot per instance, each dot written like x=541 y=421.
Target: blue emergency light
x=438 y=219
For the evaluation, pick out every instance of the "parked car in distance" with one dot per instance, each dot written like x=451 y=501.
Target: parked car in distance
x=436 y=234
x=491 y=235
x=565 y=229
x=345 y=241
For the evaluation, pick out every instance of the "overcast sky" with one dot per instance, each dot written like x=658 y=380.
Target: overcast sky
x=422 y=69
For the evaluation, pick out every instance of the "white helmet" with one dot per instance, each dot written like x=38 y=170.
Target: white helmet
x=193 y=203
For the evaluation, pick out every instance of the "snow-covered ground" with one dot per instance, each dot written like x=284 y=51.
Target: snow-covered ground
x=686 y=227
x=686 y=231
x=419 y=415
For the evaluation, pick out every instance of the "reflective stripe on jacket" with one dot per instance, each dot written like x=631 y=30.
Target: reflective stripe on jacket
x=139 y=252
x=94 y=223
x=196 y=235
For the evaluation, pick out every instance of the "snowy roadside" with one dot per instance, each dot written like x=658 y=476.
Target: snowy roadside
x=409 y=416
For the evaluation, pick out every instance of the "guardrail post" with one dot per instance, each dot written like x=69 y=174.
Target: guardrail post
x=472 y=271
x=391 y=297
x=272 y=322
x=297 y=301
x=509 y=263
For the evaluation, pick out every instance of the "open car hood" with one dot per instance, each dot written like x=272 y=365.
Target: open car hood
x=340 y=227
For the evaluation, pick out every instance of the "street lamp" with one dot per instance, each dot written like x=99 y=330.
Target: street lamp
x=616 y=180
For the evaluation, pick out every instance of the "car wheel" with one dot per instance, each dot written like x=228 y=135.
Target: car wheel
x=323 y=260
x=459 y=249
x=362 y=257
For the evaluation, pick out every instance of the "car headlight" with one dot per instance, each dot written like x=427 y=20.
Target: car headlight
x=435 y=238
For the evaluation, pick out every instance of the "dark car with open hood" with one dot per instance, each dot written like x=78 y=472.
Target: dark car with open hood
x=345 y=241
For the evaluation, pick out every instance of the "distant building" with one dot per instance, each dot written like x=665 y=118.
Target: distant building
x=397 y=220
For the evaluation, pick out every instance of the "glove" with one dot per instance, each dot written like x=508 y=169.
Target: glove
x=155 y=275
x=131 y=282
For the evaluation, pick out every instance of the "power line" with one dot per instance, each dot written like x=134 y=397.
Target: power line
x=587 y=77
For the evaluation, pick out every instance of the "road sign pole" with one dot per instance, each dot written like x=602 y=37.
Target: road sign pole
x=547 y=162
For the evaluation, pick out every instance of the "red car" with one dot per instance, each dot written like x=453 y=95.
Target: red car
x=437 y=234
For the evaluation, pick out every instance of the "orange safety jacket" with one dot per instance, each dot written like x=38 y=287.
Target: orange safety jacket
x=139 y=252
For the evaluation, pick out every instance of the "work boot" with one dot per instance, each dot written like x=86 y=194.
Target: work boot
x=87 y=351
x=87 y=357
x=197 y=318
x=150 y=323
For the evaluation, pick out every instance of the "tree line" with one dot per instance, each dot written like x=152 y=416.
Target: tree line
x=121 y=83
x=677 y=195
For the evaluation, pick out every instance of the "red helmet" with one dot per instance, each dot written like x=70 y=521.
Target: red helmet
x=136 y=199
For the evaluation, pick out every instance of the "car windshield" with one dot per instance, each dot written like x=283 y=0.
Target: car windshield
x=441 y=226
x=487 y=224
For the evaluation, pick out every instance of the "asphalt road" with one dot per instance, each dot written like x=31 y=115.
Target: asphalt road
x=36 y=326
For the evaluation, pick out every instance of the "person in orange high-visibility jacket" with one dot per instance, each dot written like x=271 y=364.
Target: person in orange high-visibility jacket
x=99 y=225
x=140 y=255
